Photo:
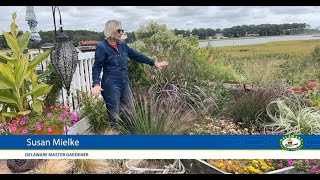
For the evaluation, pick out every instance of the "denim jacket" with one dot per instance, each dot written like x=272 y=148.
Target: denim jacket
x=114 y=63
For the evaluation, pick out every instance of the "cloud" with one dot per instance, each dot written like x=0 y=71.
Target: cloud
x=93 y=18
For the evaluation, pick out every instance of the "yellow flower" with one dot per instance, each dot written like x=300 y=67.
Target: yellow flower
x=254 y=161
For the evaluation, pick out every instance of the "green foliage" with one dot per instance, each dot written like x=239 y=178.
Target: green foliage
x=137 y=75
x=55 y=80
x=292 y=116
x=148 y=31
x=249 y=108
x=95 y=110
x=19 y=85
x=191 y=95
x=316 y=54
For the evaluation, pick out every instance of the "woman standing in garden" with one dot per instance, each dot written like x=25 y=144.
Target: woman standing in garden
x=112 y=55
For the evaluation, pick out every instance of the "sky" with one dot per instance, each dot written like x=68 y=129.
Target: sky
x=93 y=18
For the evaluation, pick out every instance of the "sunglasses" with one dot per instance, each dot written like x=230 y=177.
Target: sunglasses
x=119 y=30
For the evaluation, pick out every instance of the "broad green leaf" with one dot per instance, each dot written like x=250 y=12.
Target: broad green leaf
x=35 y=61
x=10 y=114
x=34 y=79
x=28 y=74
x=21 y=70
x=42 y=91
x=24 y=112
x=7 y=58
x=12 y=42
x=46 y=73
x=8 y=72
x=39 y=90
x=5 y=83
x=23 y=41
x=7 y=97
x=36 y=106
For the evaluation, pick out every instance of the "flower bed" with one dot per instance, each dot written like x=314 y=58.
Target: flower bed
x=198 y=166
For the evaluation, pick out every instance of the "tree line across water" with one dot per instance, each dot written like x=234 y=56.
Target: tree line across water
x=203 y=33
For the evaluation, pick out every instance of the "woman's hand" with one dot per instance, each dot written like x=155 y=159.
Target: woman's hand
x=96 y=90
x=161 y=64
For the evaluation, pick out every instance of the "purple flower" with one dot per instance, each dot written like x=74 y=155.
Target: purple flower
x=67 y=129
x=313 y=170
x=175 y=90
x=49 y=114
x=69 y=123
x=312 y=160
x=24 y=131
x=22 y=122
x=60 y=118
x=26 y=117
x=6 y=127
x=15 y=124
x=49 y=129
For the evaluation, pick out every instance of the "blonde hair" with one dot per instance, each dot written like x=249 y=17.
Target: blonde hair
x=110 y=27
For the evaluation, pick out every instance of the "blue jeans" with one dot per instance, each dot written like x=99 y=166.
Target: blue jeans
x=117 y=94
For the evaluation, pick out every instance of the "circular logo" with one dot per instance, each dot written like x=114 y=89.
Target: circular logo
x=291 y=142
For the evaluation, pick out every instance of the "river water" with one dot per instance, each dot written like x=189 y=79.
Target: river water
x=259 y=40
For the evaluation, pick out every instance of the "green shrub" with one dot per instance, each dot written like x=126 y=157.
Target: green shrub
x=95 y=110
x=55 y=80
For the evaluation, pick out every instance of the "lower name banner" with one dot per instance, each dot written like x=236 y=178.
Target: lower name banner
x=159 y=146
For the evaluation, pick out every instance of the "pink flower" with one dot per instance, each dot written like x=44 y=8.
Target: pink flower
x=67 y=129
x=49 y=129
x=69 y=123
x=13 y=128
x=15 y=124
x=290 y=162
x=60 y=118
x=49 y=114
x=74 y=118
x=26 y=117
x=280 y=165
x=313 y=170
x=312 y=160
x=22 y=122
x=24 y=131
x=39 y=128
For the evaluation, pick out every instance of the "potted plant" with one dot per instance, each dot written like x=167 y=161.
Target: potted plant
x=52 y=120
x=21 y=92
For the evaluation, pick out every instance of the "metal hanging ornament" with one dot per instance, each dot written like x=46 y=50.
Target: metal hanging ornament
x=64 y=56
